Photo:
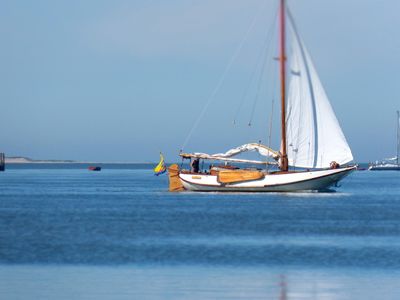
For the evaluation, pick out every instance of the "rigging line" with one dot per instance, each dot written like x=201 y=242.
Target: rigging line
x=266 y=66
x=244 y=96
x=263 y=50
x=266 y=60
x=397 y=158
x=222 y=79
x=273 y=96
x=271 y=118
x=270 y=124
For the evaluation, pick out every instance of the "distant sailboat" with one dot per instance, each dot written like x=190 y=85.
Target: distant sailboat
x=311 y=138
x=390 y=164
x=94 y=168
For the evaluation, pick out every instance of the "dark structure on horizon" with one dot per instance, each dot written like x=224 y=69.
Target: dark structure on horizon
x=2 y=162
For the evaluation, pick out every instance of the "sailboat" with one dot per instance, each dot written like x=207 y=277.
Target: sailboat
x=313 y=153
x=390 y=164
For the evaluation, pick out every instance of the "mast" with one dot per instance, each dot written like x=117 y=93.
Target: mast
x=398 y=137
x=284 y=166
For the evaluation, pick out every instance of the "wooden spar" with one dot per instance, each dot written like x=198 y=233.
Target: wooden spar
x=284 y=165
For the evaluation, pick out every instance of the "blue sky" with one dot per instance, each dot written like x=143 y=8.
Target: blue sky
x=122 y=80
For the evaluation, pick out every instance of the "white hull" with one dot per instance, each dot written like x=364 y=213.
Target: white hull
x=284 y=182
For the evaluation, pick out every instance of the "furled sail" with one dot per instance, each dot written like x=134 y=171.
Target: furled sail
x=227 y=156
x=314 y=136
x=259 y=148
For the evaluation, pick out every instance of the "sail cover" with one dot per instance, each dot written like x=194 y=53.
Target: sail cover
x=251 y=147
x=261 y=149
x=314 y=136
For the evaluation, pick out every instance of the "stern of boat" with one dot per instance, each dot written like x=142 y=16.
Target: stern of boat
x=175 y=184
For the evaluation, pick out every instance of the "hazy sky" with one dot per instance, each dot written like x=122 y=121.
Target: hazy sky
x=122 y=80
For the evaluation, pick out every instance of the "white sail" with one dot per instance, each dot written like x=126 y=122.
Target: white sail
x=314 y=136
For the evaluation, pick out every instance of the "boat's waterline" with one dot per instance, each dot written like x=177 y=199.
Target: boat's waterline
x=286 y=182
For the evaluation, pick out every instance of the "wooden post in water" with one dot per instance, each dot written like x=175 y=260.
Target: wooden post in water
x=2 y=162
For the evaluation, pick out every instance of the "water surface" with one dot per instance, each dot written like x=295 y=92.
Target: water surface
x=68 y=233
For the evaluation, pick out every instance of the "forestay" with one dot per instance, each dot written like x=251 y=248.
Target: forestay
x=314 y=136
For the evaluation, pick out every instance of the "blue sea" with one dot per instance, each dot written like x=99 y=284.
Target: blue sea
x=68 y=233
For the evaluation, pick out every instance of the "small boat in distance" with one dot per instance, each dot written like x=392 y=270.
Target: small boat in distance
x=314 y=153
x=94 y=168
x=384 y=166
x=390 y=164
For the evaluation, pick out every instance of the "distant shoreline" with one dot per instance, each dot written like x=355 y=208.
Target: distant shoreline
x=26 y=160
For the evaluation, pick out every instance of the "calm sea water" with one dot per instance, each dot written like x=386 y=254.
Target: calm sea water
x=67 y=233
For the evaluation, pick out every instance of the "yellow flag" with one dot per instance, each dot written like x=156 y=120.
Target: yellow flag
x=160 y=168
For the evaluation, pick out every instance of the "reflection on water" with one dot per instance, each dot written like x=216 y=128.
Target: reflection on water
x=156 y=282
x=283 y=285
